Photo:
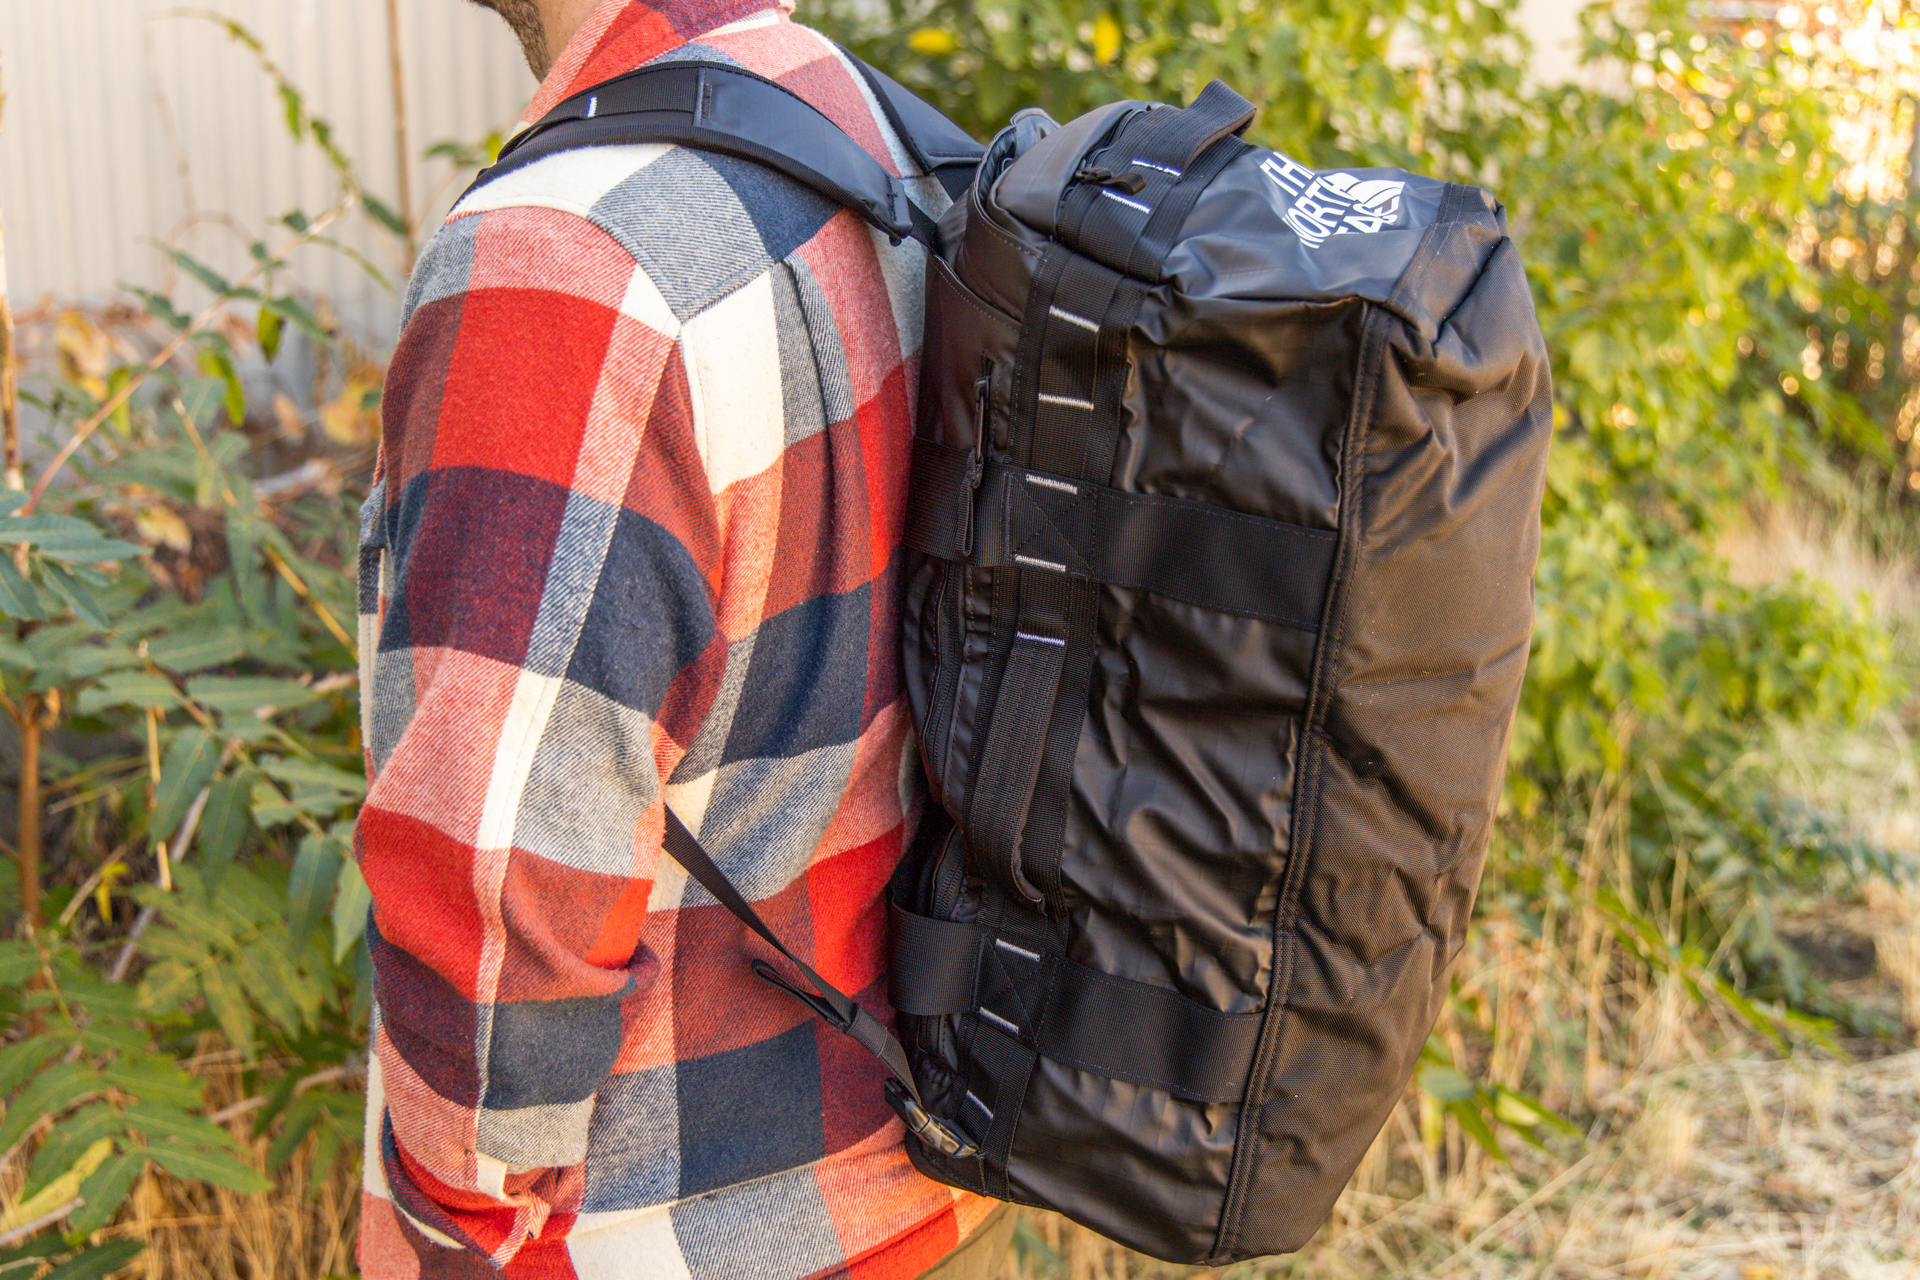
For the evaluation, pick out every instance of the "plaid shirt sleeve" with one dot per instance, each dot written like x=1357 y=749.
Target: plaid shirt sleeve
x=546 y=648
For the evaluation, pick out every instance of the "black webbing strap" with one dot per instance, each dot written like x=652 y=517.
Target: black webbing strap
x=1175 y=137
x=731 y=111
x=832 y=1005
x=1080 y=446
x=1128 y=210
x=1187 y=550
x=1071 y=1013
x=934 y=963
x=1146 y=1035
x=999 y=1069
x=1016 y=735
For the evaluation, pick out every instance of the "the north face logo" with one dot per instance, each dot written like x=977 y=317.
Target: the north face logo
x=1333 y=203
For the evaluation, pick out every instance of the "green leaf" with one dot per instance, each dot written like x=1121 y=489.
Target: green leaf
x=11 y=500
x=243 y=695
x=350 y=902
x=206 y=275
x=1510 y=1108
x=297 y=314
x=75 y=596
x=66 y=1143
x=89 y=660
x=17 y=598
x=270 y=808
x=115 y=1036
x=243 y=554
x=1477 y=1128
x=18 y=1061
x=129 y=689
x=223 y=823
x=299 y=1122
x=218 y=1167
x=160 y=307
x=200 y=398
x=18 y=961
x=317 y=784
x=154 y=1079
x=1445 y=1083
x=326 y=1149
x=267 y=327
x=315 y=870
x=64 y=537
x=383 y=214
x=296 y=116
x=196 y=651
x=95 y=1263
x=105 y=1190
x=156 y=1122
x=228 y=1004
x=52 y=1092
x=91 y=552
x=188 y=766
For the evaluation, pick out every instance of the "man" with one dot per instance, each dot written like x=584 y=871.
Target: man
x=635 y=540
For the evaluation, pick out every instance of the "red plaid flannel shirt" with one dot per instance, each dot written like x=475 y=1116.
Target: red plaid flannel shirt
x=636 y=540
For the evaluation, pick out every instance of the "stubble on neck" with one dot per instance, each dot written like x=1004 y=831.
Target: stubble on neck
x=529 y=27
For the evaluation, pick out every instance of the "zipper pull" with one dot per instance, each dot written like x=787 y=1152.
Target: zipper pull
x=976 y=462
x=1128 y=180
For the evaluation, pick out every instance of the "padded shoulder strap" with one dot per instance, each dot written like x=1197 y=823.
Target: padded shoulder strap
x=733 y=112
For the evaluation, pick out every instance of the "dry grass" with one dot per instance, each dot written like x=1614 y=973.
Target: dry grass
x=1742 y=1169
x=1869 y=773
x=301 y=1231
x=1779 y=541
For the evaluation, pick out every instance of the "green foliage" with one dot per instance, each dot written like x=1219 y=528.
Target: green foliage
x=1479 y=1108
x=1331 y=81
x=182 y=635
x=106 y=1091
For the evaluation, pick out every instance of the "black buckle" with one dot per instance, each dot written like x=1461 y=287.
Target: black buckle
x=941 y=1137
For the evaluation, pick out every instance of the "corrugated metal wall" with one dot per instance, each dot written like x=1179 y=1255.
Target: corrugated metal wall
x=126 y=120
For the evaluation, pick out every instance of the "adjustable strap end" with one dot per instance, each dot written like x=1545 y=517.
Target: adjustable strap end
x=821 y=1006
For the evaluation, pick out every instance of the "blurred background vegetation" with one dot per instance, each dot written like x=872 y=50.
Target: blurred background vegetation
x=1687 y=1012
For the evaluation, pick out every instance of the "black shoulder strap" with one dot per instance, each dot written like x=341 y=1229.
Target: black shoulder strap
x=735 y=112
x=828 y=1002
x=942 y=147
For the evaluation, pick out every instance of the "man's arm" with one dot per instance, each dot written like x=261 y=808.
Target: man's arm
x=542 y=649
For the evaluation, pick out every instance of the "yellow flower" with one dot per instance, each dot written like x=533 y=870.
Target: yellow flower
x=932 y=41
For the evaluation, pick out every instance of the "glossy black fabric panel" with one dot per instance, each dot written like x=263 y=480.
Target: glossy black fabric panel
x=1433 y=646
x=1133 y=1163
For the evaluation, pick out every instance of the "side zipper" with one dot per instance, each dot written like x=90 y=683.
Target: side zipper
x=949 y=619
x=1314 y=743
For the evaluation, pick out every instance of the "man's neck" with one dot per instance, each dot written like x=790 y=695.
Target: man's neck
x=561 y=18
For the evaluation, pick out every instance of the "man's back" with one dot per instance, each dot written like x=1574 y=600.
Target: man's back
x=636 y=539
